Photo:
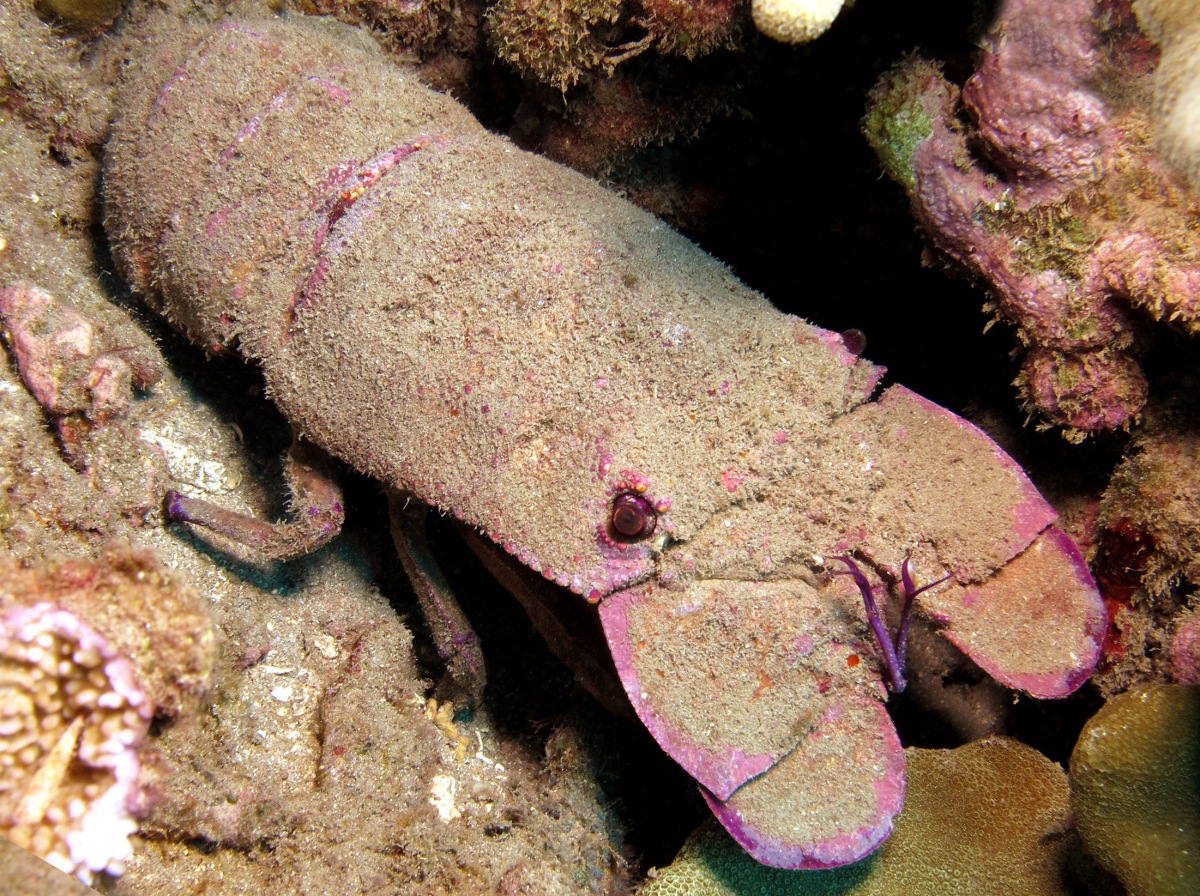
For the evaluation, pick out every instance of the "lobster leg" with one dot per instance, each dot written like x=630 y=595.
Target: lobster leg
x=316 y=503
x=456 y=641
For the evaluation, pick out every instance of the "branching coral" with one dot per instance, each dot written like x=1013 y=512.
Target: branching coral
x=1040 y=177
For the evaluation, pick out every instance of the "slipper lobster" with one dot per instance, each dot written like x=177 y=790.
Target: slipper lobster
x=507 y=341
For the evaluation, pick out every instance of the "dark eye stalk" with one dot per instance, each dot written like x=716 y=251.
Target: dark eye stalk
x=633 y=518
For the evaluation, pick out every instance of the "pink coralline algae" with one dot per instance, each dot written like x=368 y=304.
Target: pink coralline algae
x=1041 y=177
x=69 y=364
x=1184 y=650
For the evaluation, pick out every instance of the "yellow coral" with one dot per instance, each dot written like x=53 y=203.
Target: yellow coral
x=89 y=650
x=794 y=21
x=1135 y=789
x=72 y=718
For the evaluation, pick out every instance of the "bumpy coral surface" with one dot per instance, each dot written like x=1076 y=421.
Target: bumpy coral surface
x=986 y=819
x=90 y=650
x=1135 y=789
x=1041 y=178
x=794 y=21
x=72 y=720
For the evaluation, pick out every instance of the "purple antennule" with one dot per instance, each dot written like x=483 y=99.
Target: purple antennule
x=910 y=594
x=893 y=668
x=894 y=653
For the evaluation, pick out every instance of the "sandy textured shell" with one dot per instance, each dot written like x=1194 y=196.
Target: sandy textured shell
x=477 y=325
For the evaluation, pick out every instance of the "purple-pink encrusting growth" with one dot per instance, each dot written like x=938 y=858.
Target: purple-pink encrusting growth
x=70 y=363
x=893 y=652
x=1042 y=178
x=73 y=718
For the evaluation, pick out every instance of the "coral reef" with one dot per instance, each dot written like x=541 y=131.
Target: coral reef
x=1135 y=789
x=1183 y=652
x=599 y=109
x=78 y=375
x=318 y=762
x=600 y=80
x=1053 y=194
x=555 y=41
x=155 y=621
x=1146 y=562
x=988 y=818
x=42 y=82
x=559 y=42
x=380 y=198
x=313 y=763
x=430 y=30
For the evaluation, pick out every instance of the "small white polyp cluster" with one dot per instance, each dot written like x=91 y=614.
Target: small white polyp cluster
x=794 y=21
x=72 y=716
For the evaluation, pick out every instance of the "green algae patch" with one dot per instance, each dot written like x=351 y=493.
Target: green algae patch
x=897 y=121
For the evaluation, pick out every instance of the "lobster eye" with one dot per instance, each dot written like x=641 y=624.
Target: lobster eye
x=632 y=517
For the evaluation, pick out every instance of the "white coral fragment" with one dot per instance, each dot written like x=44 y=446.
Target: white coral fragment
x=794 y=21
x=442 y=793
